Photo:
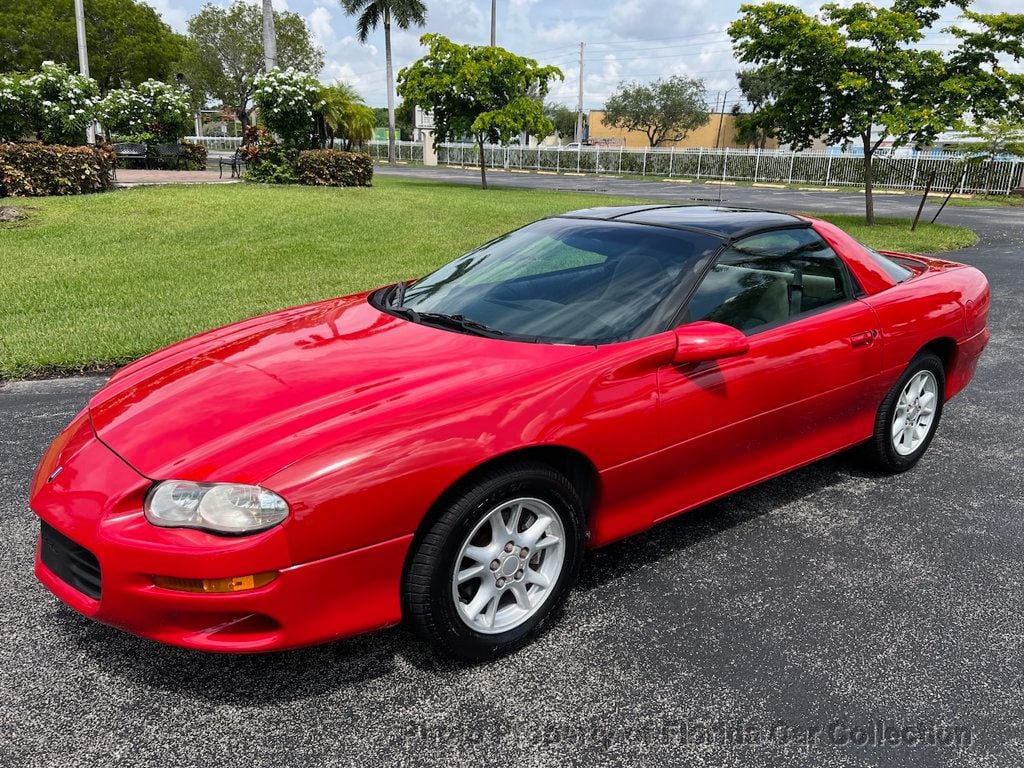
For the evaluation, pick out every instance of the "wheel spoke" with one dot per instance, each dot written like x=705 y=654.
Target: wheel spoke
x=483 y=596
x=473 y=572
x=547 y=541
x=478 y=554
x=521 y=595
x=513 y=520
x=492 y=610
x=536 y=577
x=499 y=531
x=926 y=399
x=898 y=425
x=533 y=534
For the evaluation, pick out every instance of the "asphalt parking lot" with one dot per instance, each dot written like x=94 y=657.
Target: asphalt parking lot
x=830 y=617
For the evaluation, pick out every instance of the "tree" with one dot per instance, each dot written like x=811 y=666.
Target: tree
x=288 y=101
x=976 y=73
x=58 y=104
x=480 y=91
x=163 y=111
x=760 y=89
x=373 y=13
x=344 y=114
x=665 y=110
x=405 y=119
x=226 y=51
x=853 y=73
x=128 y=42
x=563 y=118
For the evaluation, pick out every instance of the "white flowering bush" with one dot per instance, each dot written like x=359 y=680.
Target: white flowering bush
x=58 y=104
x=13 y=109
x=288 y=100
x=152 y=108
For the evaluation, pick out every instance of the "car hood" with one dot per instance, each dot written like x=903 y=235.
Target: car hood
x=236 y=404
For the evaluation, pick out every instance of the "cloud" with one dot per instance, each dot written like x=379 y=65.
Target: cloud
x=173 y=14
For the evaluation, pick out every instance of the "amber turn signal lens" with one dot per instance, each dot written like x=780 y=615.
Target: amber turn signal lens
x=230 y=584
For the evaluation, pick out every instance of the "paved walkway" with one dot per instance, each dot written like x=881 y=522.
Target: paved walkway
x=133 y=177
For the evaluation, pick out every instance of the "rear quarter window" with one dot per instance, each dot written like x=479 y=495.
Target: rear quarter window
x=896 y=271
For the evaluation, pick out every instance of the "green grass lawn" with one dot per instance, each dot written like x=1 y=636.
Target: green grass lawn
x=95 y=281
x=980 y=201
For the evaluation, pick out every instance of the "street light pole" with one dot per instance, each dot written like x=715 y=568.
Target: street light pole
x=579 y=103
x=494 y=23
x=83 y=58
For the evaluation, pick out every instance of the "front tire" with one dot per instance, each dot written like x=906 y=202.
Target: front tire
x=497 y=562
x=909 y=415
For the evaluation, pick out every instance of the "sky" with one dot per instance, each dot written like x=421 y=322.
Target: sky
x=625 y=40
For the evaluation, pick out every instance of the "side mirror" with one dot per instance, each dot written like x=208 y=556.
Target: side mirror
x=704 y=340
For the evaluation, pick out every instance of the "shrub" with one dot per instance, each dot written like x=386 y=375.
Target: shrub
x=152 y=107
x=267 y=161
x=287 y=100
x=58 y=104
x=14 y=123
x=334 y=168
x=28 y=170
x=195 y=155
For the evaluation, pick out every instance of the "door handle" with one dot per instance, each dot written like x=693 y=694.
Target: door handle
x=863 y=339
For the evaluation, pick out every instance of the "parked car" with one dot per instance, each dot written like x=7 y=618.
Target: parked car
x=442 y=450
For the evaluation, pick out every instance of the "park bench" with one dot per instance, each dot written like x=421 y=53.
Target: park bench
x=125 y=151
x=235 y=163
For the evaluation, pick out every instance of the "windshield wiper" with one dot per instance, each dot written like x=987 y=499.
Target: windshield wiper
x=398 y=294
x=458 y=322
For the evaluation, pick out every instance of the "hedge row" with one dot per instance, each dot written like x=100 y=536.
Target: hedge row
x=31 y=170
x=334 y=168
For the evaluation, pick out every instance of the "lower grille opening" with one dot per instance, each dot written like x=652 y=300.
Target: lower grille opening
x=69 y=561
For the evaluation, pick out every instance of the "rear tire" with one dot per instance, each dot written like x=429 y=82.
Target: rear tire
x=909 y=415
x=497 y=563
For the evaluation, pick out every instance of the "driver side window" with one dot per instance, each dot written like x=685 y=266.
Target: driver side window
x=767 y=279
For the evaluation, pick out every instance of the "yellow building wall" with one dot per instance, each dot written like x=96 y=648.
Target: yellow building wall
x=706 y=136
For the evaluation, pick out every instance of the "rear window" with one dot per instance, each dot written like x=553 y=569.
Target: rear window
x=895 y=271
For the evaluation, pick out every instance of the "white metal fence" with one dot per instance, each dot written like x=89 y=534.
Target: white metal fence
x=217 y=143
x=904 y=170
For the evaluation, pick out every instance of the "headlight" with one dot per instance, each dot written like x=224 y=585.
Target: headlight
x=220 y=507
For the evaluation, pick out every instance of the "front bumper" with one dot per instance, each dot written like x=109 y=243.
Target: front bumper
x=96 y=501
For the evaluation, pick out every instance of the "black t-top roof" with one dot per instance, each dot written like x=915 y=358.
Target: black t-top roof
x=718 y=220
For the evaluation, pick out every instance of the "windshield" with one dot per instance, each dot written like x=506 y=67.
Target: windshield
x=564 y=280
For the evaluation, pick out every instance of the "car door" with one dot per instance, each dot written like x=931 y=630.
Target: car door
x=805 y=388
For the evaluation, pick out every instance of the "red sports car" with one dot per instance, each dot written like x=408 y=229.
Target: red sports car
x=441 y=451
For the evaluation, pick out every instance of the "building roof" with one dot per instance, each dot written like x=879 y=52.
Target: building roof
x=724 y=221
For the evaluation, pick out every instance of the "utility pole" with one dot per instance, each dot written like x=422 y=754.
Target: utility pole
x=83 y=58
x=494 y=23
x=269 y=37
x=721 y=117
x=579 y=103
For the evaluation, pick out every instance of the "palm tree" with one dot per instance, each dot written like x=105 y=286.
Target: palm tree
x=269 y=37
x=372 y=13
x=344 y=114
